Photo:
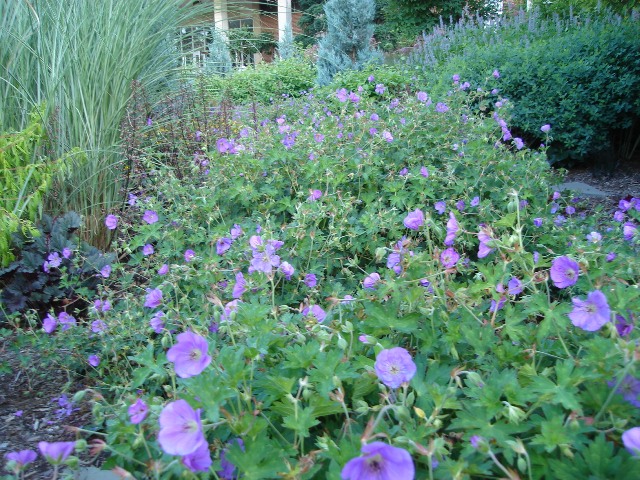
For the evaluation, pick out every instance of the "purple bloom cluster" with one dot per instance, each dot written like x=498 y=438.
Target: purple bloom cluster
x=50 y=322
x=264 y=254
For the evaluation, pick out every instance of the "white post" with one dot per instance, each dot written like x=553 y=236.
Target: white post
x=284 y=17
x=221 y=16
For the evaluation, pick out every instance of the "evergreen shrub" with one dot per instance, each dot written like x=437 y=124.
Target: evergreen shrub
x=580 y=76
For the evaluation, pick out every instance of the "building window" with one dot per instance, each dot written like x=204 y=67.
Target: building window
x=243 y=44
x=193 y=45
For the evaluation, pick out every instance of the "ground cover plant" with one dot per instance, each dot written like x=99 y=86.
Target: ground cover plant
x=345 y=285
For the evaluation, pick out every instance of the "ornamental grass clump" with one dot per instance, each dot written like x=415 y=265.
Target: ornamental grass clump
x=403 y=324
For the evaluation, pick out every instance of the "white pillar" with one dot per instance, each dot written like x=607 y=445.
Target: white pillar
x=220 y=15
x=284 y=17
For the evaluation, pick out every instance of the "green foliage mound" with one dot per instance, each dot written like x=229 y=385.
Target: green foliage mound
x=261 y=290
x=581 y=75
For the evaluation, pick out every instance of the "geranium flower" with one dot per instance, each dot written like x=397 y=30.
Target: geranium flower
x=631 y=441
x=441 y=107
x=449 y=258
x=422 y=96
x=564 y=272
x=105 y=271
x=21 y=459
x=228 y=469
x=371 y=280
x=157 y=323
x=240 y=287
x=414 y=220
x=189 y=355
x=200 y=460
x=153 y=298
x=111 y=222
x=590 y=314
x=94 y=360
x=180 y=429
x=394 y=367
x=56 y=452
x=316 y=311
x=49 y=323
x=545 y=128
x=310 y=280
x=314 y=195
x=148 y=249
x=189 y=255
x=452 y=230
x=629 y=230
x=380 y=461
x=163 y=270
x=150 y=216
x=138 y=411
x=424 y=171
x=287 y=270
x=223 y=244
x=440 y=207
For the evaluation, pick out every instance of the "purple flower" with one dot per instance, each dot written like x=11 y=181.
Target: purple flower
x=394 y=259
x=449 y=258
x=537 y=222
x=564 y=272
x=440 y=207
x=475 y=441
x=67 y=252
x=314 y=195
x=484 y=237
x=228 y=469
x=200 y=460
x=623 y=326
x=519 y=143
x=56 y=452
x=222 y=245
x=150 y=216
x=631 y=441
x=374 y=117
x=629 y=230
x=496 y=74
x=180 y=429
x=618 y=216
x=394 y=367
x=287 y=270
x=441 y=107
x=456 y=78
x=475 y=201
x=495 y=306
x=153 y=298
x=111 y=221
x=163 y=270
x=189 y=355
x=629 y=388
x=570 y=210
x=66 y=320
x=148 y=249
x=157 y=322
x=545 y=128
x=236 y=231
x=105 y=271
x=424 y=172
x=53 y=261
x=404 y=172
x=138 y=411
x=386 y=134
x=370 y=281
x=380 y=89
x=536 y=258
x=189 y=255
x=21 y=459
x=422 y=96
x=452 y=230
x=94 y=360
x=318 y=137
x=342 y=95
x=380 y=461
x=240 y=287
x=594 y=237
x=310 y=280
x=316 y=311
x=514 y=287
x=414 y=220
x=460 y=205
x=49 y=323
x=590 y=314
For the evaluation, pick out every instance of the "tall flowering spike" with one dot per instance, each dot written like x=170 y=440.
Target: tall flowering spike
x=56 y=452
x=180 y=429
x=564 y=272
x=394 y=367
x=189 y=355
x=380 y=461
x=590 y=314
x=631 y=441
x=414 y=220
x=452 y=230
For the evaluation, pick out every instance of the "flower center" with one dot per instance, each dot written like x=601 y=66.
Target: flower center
x=195 y=354
x=375 y=464
x=570 y=273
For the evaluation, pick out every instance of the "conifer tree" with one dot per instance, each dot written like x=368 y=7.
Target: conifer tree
x=347 y=44
x=286 y=48
x=219 y=58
